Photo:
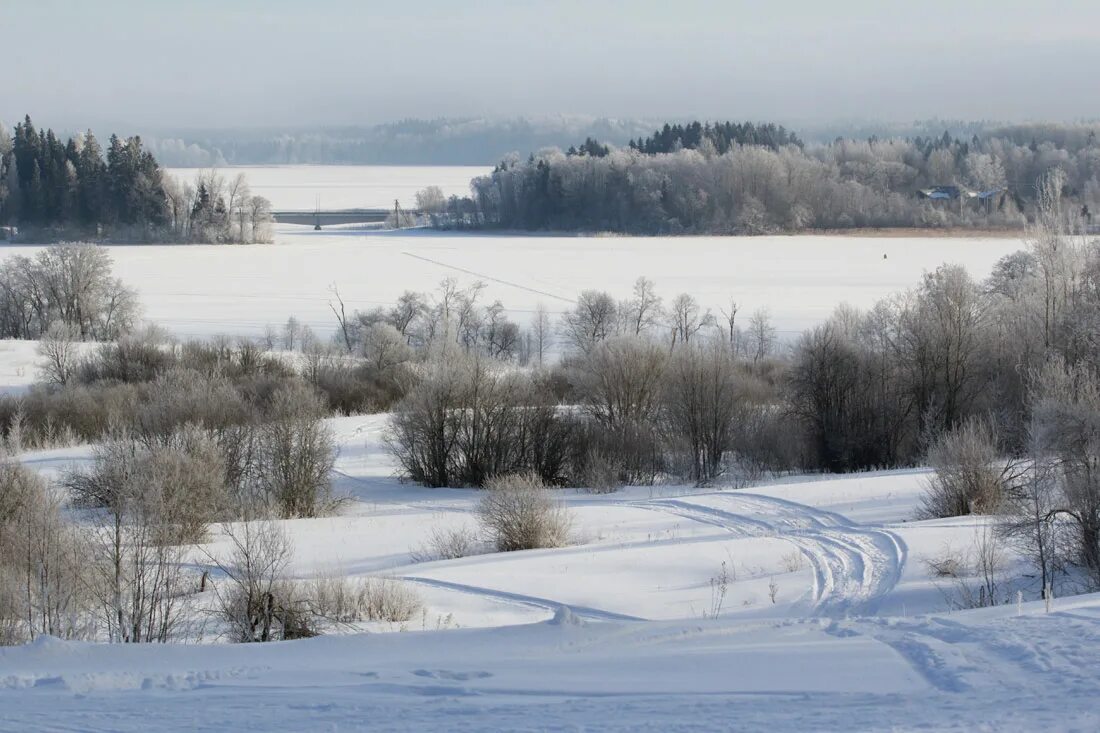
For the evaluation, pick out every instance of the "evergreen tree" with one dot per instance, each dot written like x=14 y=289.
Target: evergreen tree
x=69 y=188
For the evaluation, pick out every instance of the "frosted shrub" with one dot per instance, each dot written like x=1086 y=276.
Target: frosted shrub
x=966 y=479
x=350 y=600
x=44 y=578
x=387 y=599
x=518 y=513
x=448 y=543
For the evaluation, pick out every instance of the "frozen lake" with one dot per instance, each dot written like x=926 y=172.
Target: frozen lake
x=199 y=290
x=304 y=187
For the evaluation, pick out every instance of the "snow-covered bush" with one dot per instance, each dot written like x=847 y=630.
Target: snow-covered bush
x=45 y=587
x=294 y=455
x=448 y=543
x=256 y=601
x=967 y=479
x=341 y=599
x=468 y=419
x=517 y=512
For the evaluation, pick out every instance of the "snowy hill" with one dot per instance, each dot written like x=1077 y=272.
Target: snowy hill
x=826 y=619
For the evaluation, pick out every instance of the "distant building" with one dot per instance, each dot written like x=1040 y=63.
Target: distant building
x=942 y=193
x=8 y=233
x=985 y=199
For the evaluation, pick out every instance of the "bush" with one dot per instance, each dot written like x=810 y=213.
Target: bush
x=181 y=397
x=294 y=455
x=44 y=586
x=387 y=599
x=619 y=384
x=603 y=459
x=449 y=543
x=345 y=600
x=351 y=389
x=467 y=420
x=175 y=488
x=966 y=479
x=517 y=512
x=255 y=600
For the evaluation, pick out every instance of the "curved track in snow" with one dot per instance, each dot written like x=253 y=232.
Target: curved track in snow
x=853 y=565
x=520 y=599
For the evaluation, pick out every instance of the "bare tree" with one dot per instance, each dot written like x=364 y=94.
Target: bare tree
x=60 y=353
x=138 y=570
x=67 y=283
x=619 y=381
x=291 y=332
x=431 y=200
x=686 y=319
x=1029 y=522
x=347 y=329
x=384 y=347
x=260 y=218
x=295 y=455
x=43 y=563
x=731 y=318
x=237 y=197
x=255 y=599
x=542 y=332
x=591 y=321
x=700 y=406
x=761 y=334
x=643 y=312
x=409 y=309
x=1066 y=411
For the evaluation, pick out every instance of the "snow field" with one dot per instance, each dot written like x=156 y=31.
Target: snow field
x=613 y=632
x=203 y=290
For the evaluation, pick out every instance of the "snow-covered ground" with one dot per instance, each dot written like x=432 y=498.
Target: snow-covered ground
x=18 y=365
x=202 y=290
x=829 y=620
x=305 y=187
x=614 y=632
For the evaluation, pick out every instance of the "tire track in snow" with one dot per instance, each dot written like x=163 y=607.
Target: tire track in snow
x=853 y=566
x=483 y=276
x=595 y=614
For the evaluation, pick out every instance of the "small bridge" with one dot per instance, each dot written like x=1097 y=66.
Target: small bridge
x=329 y=218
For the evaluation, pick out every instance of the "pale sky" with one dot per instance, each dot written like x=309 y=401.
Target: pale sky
x=240 y=63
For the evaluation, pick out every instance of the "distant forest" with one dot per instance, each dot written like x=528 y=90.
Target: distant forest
x=53 y=190
x=449 y=141
x=726 y=178
x=406 y=142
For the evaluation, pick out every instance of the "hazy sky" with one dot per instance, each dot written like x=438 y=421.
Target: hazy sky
x=232 y=63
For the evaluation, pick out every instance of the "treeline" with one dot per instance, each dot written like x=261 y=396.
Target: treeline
x=865 y=390
x=57 y=190
x=684 y=182
x=720 y=135
x=47 y=183
x=440 y=141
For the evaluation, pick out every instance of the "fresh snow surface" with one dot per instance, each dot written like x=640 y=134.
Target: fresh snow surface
x=615 y=632
x=332 y=187
x=18 y=365
x=201 y=290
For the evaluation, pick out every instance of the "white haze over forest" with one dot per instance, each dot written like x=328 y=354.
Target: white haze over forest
x=339 y=62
